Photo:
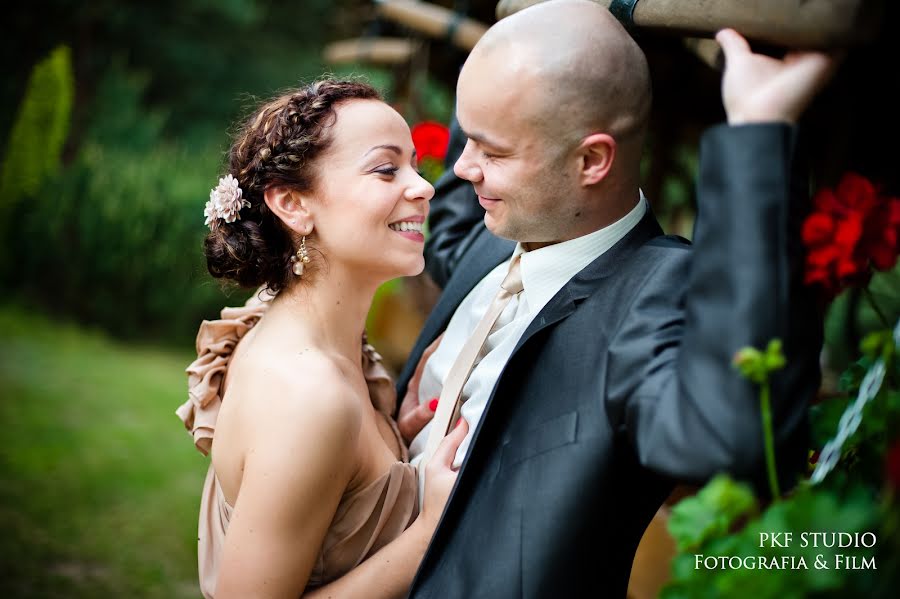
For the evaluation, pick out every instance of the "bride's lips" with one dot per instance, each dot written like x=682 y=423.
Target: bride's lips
x=488 y=203
x=413 y=224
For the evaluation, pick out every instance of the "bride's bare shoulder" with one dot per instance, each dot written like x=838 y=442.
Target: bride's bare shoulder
x=297 y=391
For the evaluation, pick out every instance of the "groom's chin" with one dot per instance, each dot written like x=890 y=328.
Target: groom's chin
x=492 y=225
x=498 y=228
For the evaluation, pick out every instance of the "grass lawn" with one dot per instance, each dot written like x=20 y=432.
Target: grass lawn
x=99 y=482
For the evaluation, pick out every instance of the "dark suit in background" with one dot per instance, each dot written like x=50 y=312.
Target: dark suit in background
x=623 y=383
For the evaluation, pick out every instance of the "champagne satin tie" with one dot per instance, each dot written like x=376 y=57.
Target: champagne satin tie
x=449 y=403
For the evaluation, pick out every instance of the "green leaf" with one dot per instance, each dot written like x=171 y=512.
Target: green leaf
x=711 y=512
x=874 y=345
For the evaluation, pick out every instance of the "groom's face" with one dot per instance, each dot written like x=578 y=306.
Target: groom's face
x=522 y=173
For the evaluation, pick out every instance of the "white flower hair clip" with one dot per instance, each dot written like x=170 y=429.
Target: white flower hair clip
x=225 y=202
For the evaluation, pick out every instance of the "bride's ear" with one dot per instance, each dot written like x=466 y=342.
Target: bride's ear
x=291 y=207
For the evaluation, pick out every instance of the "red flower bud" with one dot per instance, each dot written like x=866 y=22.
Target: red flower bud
x=431 y=140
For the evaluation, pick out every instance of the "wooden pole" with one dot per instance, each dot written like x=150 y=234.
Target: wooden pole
x=792 y=23
x=434 y=21
x=378 y=50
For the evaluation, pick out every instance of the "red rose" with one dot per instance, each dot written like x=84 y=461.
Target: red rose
x=851 y=230
x=431 y=140
x=892 y=466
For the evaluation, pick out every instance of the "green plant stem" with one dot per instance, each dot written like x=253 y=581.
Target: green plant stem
x=766 y=411
x=875 y=308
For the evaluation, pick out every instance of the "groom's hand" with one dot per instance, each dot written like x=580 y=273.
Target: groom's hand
x=758 y=88
x=413 y=416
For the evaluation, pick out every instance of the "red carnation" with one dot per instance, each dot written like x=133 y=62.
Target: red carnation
x=852 y=229
x=431 y=140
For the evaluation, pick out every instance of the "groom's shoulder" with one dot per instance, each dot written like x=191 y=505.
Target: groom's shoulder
x=672 y=250
x=660 y=264
x=669 y=242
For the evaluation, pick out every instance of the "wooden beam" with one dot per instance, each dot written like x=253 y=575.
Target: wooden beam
x=377 y=50
x=433 y=21
x=791 y=23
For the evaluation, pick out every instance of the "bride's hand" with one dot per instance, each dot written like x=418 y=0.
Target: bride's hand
x=413 y=416
x=440 y=475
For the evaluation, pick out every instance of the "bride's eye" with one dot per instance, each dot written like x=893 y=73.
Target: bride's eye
x=388 y=171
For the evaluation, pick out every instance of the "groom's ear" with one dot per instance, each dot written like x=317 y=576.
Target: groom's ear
x=596 y=152
x=291 y=207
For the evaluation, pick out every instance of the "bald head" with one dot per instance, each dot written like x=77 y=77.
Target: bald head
x=581 y=70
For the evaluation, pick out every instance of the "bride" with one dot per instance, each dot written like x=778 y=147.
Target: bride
x=310 y=491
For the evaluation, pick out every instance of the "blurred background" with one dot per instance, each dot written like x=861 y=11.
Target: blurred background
x=114 y=121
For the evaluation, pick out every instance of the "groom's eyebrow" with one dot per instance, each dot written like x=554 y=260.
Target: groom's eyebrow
x=484 y=141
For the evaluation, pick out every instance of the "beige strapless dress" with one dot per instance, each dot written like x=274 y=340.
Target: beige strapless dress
x=365 y=520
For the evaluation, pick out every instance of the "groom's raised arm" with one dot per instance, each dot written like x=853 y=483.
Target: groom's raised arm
x=687 y=411
x=453 y=215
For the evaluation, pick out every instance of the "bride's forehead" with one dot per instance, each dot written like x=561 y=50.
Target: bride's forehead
x=360 y=116
x=363 y=124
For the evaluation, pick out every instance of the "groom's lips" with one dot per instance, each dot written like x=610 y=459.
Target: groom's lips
x=488 y=203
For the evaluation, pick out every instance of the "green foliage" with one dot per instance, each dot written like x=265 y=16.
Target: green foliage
x=40 y=130
x=99 y=481
x=117 y=240
x=431 y=168
x=119 y=118
x=808 y=510
x=854 y=498
x=712 y=512
x=851 y=314
x=115 y=237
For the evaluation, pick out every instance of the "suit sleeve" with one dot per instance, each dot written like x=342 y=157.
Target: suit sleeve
x=671 y=387
x=453 y=215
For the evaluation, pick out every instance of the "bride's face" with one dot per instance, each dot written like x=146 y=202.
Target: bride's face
x=371 y=201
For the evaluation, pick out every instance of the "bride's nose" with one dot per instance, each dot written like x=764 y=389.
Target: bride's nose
x=419 y=189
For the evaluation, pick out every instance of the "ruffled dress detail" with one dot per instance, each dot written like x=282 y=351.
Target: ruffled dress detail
x=366 y=519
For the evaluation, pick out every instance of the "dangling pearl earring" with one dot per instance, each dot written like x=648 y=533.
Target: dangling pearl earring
x=300 y=259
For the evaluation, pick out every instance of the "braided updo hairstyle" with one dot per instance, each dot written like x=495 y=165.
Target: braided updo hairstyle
x=277 y=146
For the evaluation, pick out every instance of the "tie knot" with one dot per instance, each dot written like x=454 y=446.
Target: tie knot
x=513 y=281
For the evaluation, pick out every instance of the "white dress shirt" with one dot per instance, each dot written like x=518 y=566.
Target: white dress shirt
x=544 y=272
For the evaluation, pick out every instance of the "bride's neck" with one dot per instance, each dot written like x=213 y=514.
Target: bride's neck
x=331 y=309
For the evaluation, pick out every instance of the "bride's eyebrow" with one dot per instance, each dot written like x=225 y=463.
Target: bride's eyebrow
x=391 y=147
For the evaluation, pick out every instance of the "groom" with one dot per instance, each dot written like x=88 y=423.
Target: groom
x=607 y=375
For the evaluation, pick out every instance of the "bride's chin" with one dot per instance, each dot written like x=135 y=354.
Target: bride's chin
x=414 y=268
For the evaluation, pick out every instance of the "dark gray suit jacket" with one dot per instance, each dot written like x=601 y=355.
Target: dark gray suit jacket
x=623 y=383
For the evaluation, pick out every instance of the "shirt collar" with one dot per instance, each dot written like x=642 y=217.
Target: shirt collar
x=546 y=270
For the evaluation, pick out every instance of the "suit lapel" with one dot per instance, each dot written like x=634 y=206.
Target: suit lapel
x=582 y=285
x=485 y=253
x=586 y=282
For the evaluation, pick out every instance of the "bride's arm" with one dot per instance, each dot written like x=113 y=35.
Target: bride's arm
x=389 y=573
x=296 y=469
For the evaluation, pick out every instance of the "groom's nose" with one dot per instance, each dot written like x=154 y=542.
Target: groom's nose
x=466 y=166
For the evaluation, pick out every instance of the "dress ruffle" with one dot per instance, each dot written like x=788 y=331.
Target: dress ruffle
x=216 y=341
